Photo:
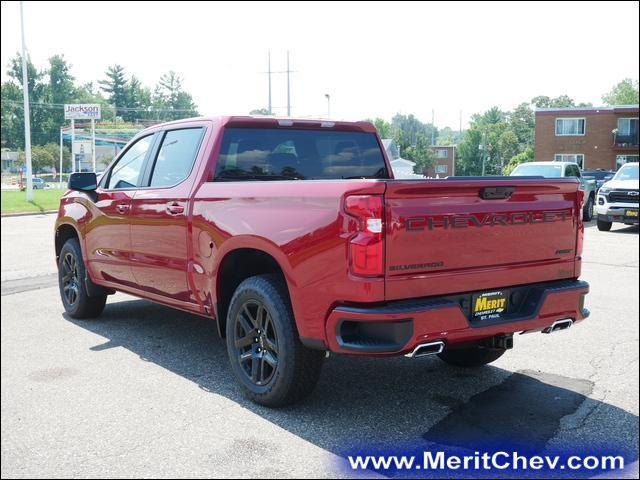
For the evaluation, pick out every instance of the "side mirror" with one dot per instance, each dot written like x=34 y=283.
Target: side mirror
x=85 y=181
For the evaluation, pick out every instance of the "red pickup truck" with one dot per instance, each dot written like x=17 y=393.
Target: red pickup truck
x=294 y=236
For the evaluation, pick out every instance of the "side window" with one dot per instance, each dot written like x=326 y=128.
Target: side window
x=572 y=171
x=176 y=156
x=127 y=172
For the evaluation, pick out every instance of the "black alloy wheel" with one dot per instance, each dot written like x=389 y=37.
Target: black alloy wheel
x=256 y=342
x=70 y=279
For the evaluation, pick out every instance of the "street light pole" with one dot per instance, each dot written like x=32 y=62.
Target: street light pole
x=269 y=73
x=328 y=97
x=27 y=121
x=61 y=153
x=288 y=87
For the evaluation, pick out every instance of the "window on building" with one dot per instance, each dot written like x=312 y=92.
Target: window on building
x=570 y=126
x=627 y=126
x=570 y=157
x=442 y=153
x=622 y=159
x=442 y=168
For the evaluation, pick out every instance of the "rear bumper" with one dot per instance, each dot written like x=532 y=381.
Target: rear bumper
x=617 y=212
x=398 y=327
x=617 y=215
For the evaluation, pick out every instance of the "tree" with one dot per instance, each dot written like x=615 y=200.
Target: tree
x=115 y=85
x=169 y=95
x=523 y=123
x=542 y=101
x=11 y=125
x=138 y=100
x=507 y=147
x=41 y=158
x=492 y=116
x=420 y=153
x=448 y=136
x=410 y=127
x=13 y=110
x=385 y=130
x=260 y=111
x=469 y=158
x=623 y=93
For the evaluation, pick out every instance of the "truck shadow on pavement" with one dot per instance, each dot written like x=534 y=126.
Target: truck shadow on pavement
x=384 y=403
x=617 y=228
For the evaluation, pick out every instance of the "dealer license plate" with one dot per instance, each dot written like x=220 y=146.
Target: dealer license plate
x=489 y=305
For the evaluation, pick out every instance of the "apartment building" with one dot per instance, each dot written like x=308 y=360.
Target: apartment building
x=594 y=137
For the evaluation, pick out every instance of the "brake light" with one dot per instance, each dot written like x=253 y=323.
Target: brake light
x=579 y=223
x=366 y=247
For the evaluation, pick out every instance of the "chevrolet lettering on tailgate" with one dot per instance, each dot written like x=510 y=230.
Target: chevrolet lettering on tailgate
x=488 y=220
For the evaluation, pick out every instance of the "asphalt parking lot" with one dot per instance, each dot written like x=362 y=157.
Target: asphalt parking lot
x=147 y=391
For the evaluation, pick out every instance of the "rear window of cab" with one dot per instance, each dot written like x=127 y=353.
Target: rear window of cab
x=290 y=154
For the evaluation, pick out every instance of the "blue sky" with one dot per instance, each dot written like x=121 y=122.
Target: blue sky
x=373 y=58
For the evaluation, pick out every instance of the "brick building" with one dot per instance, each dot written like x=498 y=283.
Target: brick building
x=445 y=165
x=594 y=137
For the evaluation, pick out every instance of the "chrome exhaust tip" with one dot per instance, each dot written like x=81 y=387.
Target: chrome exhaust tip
x=424 y=349
x=558 y=325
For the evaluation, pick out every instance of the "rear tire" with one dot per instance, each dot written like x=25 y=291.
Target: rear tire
x=269 y=362
x=71 y=279
x=587 y=214
x=470 y=357
x=604 y=226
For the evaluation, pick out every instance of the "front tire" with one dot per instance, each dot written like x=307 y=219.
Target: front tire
x=269 y=362
x=587 y=214
x=604 y=226
x=471 y=357
x=71 y=279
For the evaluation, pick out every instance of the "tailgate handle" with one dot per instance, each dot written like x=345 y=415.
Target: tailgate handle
x=496 y=193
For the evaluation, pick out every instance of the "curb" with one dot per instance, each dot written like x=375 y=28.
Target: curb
x=26 y=214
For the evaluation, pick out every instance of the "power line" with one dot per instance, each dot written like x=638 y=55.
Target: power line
x=107 y=106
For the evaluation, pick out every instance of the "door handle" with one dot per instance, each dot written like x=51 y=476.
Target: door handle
x=122 y=208
x=175 y=208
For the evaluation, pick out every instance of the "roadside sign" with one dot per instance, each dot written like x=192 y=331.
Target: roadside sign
x=82 y=147
x=82 y=111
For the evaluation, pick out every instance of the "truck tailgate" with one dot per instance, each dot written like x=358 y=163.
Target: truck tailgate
x=457 y=235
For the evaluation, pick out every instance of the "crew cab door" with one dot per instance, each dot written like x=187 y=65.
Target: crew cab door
x=108 y=236
x=160 y=215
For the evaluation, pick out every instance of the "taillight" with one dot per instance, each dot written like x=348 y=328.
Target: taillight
x=581 y=199
x=366 y=248
x=579 y=223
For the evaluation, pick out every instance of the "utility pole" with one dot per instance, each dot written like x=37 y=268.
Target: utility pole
x=269 y=73
x=484 y=150
x=73 y=143
x=288 y=87
x=93 y=144
x=61 y=153
x=433 y=128
x=328 y=97
x=27 y=120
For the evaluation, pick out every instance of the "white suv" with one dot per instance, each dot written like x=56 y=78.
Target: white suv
x=618 y=198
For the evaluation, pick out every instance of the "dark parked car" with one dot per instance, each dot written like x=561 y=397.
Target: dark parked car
x=601 y=176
